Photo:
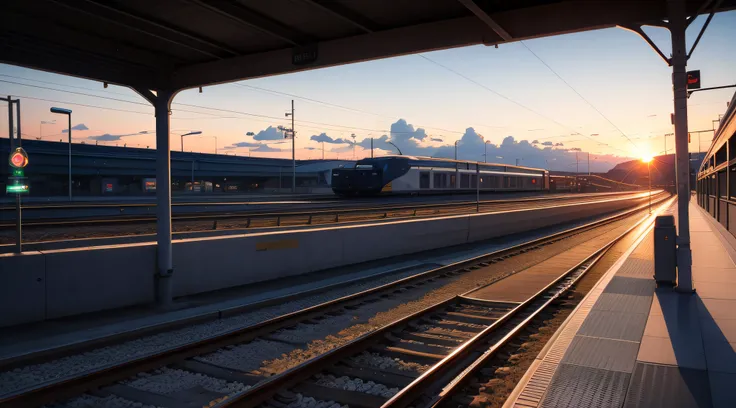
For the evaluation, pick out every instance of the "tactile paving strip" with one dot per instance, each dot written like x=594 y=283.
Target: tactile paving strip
x=624 y=303
x=637 y=268
x=607 y=354
x=576 y=386
x=630 y=286
x=654 y=386
x=614 y=325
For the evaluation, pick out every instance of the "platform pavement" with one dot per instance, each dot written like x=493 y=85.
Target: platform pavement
x=629 y=344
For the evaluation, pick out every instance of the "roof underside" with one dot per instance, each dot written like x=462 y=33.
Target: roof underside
x=177 y=44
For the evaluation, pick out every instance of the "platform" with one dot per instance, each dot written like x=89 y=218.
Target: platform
x=629 y=344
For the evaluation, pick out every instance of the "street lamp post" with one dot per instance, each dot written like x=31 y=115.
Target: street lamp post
x=456 y=150
x=68 y=113
x=485 y=151
x=196 y=132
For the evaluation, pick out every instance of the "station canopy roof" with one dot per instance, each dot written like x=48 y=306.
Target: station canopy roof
x=178 y=44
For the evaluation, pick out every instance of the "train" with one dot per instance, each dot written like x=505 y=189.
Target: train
x=426 y=175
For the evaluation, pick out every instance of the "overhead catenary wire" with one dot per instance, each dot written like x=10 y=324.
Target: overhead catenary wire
x=249 y=114
x=578 y=93
x=521 y=105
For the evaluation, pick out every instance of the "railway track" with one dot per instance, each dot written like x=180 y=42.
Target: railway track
x=440 y=343
x=433 y=335
x=39 y=231
x=136 y=212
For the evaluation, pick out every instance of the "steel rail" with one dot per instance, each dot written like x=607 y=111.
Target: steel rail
x=263 y=391
x=335 y=212
x=409 y=394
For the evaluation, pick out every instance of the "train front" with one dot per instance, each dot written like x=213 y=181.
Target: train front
x=368 y=176
x=358 y=180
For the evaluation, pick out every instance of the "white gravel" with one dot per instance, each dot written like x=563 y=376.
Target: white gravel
x=33 y=375
x=111 y=401
x=356 y=384
x=309 y=402
x=378 y=361
x=246 y=357
x=168 y=381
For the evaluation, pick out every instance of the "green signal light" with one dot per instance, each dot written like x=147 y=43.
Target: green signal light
x=18 y=172
x=17 y=189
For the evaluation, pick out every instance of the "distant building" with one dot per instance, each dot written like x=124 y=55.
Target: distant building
x=106 y=170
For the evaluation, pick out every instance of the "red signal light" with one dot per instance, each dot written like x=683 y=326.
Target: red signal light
x=19 y=158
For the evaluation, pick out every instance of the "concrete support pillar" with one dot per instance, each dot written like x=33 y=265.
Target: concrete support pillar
x=165 y=269
x=678 y=25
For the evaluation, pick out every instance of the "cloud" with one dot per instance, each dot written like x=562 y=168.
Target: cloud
x=322 y=137
x=310 y=148
x=436 y=139
x=246 y=144
x=80 y=126
x=265 y=148
x=574 y=149
x=559 y=144
x=106 y=137
x=471 y=146
x=270 y=133
x=535 y=141
x=111 y=138
x=405 y=131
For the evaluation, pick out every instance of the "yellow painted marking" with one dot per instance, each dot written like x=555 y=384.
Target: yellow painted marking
x=275 y=245
x=386 y=188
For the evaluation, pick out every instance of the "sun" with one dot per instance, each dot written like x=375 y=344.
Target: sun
x=646 y=158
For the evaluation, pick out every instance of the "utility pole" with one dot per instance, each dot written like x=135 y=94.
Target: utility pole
x=353 y=136
x=293 y=148
x=589 y=163
x=456 y=150
x=577 y=164
x=371 y=148
x=323 y=150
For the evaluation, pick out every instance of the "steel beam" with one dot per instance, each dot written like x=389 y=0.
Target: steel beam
x=527 y=23
x=346 y=15
x=254 y=20
x=486 y=19
x=108 y=14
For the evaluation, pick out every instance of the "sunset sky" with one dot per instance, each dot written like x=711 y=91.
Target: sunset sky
x=612 y=99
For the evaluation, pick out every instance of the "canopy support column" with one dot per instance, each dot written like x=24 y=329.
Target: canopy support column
x=161 y=102
x=678 y=24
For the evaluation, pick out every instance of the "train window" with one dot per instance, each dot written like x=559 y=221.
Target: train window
x=721 y=155
x=438 y=180
x=513 y=181
x=453 y=181
x=731 y=180
x=424 y=179
x=732 y=147
x=464 y=181
x=473 y=181
x=722 y=184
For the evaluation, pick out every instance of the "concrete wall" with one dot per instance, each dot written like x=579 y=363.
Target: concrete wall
x=49 y=284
